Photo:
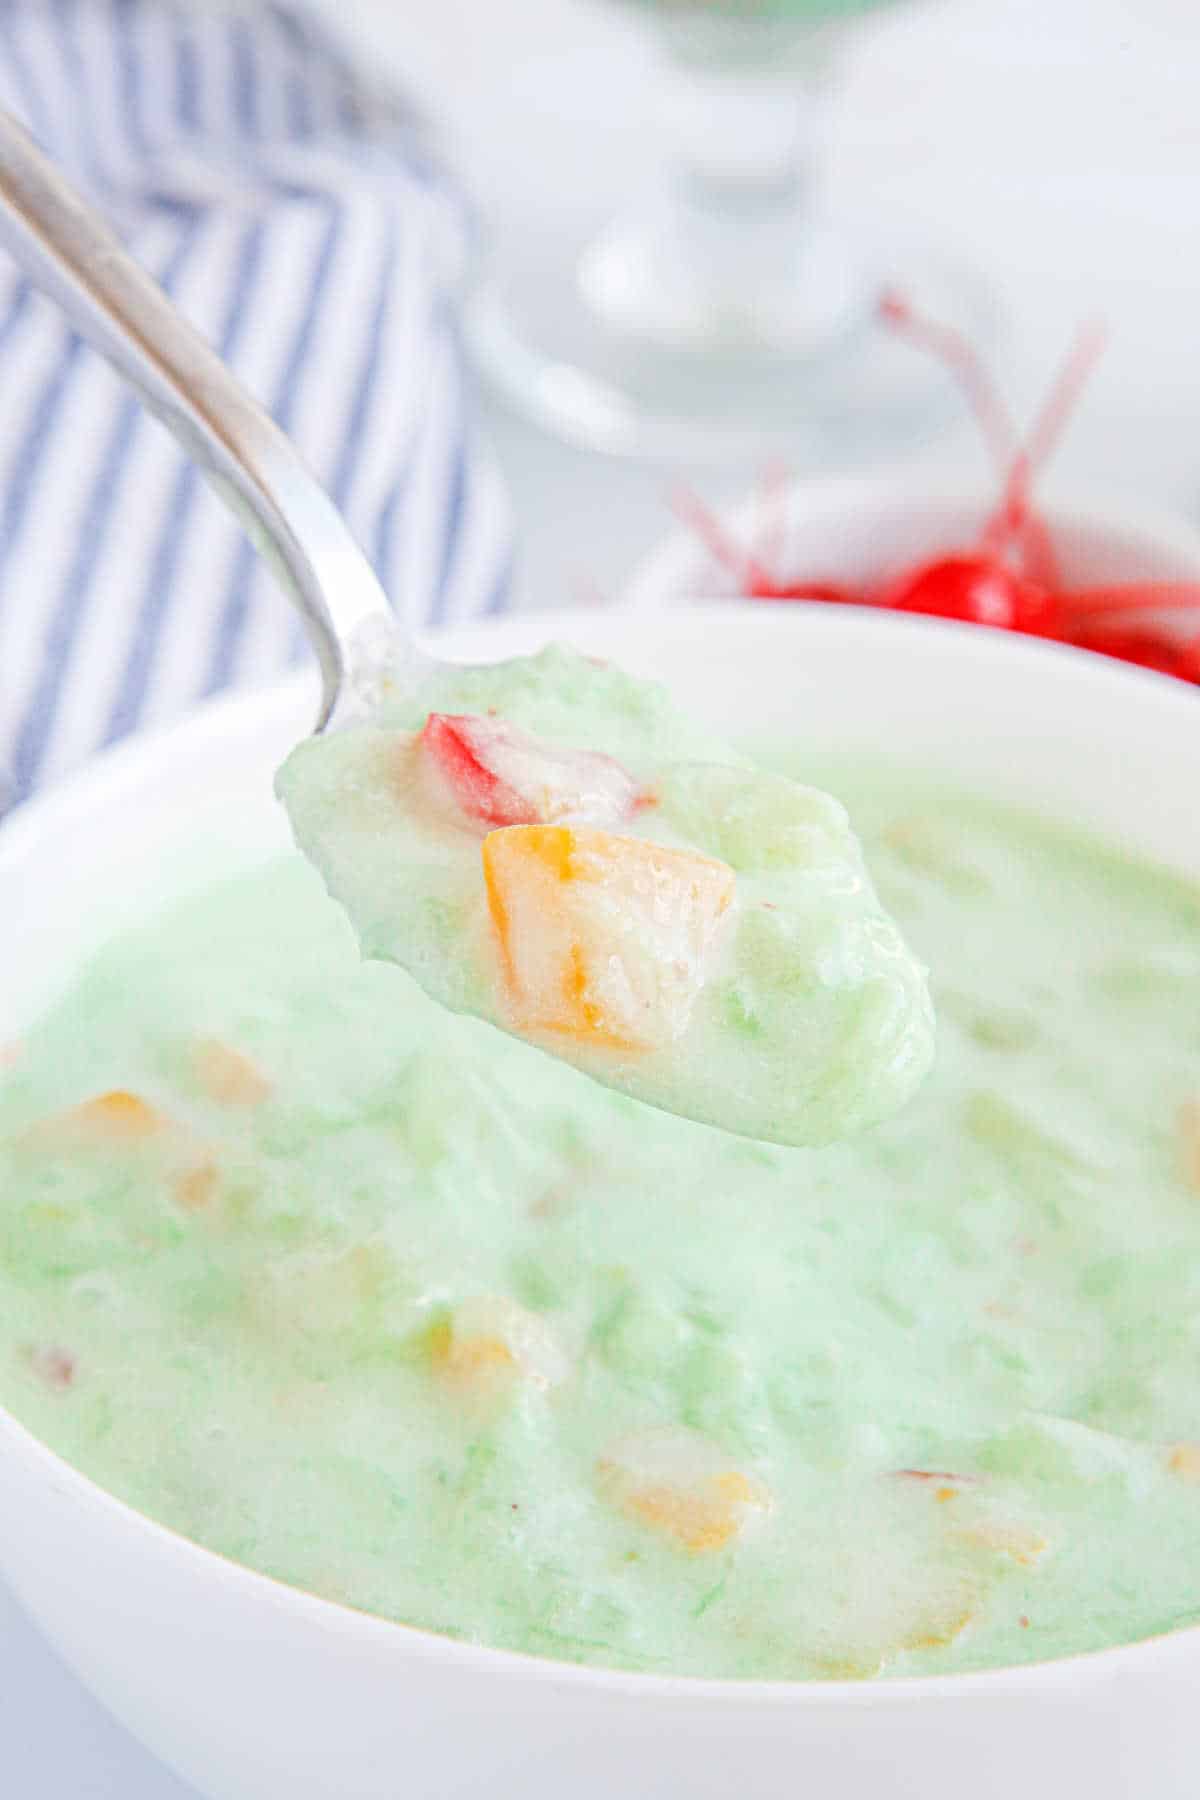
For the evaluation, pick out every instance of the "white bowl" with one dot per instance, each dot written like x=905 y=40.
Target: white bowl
x=255 y=1691
x=864 y=528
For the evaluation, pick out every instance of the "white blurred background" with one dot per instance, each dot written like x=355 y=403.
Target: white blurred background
x=1055 y=142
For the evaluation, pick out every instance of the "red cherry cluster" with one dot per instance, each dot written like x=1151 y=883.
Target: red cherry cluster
x=1009 y=578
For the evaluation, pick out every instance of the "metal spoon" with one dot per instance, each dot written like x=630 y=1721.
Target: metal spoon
x=67 y=249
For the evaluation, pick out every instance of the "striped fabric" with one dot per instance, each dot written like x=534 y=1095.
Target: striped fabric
x=294 y=215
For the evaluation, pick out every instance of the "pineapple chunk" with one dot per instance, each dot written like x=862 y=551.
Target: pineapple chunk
x=491 y=773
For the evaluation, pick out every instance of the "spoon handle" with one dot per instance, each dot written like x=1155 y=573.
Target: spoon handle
x=67 y=250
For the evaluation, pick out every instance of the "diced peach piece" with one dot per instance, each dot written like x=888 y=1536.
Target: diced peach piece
x=115 y=1118
x=195 y=1188
x=939 y=1627
x=478 y=1366
x=529 y=1339
x=120 y=1120
x=1184 y=1460
x=605 y=939
x=494 y=774
x=922 y=1609
x=489 y=1342
x=681 y=1486
x=118 y=1114
x=227 y=1074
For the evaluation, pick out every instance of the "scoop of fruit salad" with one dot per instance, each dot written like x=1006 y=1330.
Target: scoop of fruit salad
x=549 y=844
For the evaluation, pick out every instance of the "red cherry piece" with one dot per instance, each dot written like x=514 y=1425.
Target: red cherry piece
x=459 y=746
x=499 y=775
x=1148 y=650
x=978 y=589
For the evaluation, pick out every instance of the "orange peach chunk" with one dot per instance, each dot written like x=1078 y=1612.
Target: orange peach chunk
x=227 y=1075
x=117 y=1114
x=489 y=1342
x=1184 y=1460
x=195 y=1188
x=474 y=1365
x=107 y=1120
x=681 y=1486
x=122 y=1121
x=605 y=939
x=939 y=1627
x=877 y=1621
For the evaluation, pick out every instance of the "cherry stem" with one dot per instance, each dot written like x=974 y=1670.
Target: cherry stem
x=1126 y=642
x=1042 y=440
x=1048 y=427
x=1018 y=462
x=964 y=362
x=743 y=563
x=769 y=529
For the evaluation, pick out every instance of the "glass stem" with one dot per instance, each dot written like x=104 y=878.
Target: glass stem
x=738 y=140
x=723 y=253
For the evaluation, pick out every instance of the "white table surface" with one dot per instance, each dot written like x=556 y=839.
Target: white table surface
x=1074 y=177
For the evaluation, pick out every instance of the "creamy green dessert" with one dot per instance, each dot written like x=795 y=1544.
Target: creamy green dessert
x=550 y=844
x=372 y=1298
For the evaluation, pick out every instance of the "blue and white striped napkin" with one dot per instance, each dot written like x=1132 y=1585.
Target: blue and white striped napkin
x=294 y=214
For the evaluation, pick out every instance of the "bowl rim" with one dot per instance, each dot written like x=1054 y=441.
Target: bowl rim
x=124 y=765
x=659 y=579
